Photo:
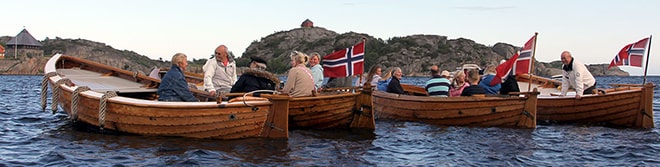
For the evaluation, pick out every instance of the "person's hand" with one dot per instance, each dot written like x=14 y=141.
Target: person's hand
x=212 y=92
x=578 y=97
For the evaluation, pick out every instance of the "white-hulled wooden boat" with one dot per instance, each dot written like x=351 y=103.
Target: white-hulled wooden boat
x=124 y=101
x=626 y=105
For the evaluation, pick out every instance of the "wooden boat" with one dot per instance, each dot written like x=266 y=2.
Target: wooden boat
x=626 y=105
x=334 y=108
x=123 y=101
x=512 y=111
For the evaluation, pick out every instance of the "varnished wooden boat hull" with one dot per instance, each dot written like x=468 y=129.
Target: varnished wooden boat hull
x=332 y=110
x=626 y=105
x=516 y=111
x=627 y=108
x=266 y=118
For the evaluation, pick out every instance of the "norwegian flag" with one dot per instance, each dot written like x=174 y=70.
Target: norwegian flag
x=631 y=54
x=521 y=62
x=504 y=69
x=346 y=62
x=524 y=62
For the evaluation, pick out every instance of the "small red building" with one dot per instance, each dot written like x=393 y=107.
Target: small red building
x=307 y=23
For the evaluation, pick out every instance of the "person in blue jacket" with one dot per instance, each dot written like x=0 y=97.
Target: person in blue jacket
x=385 y=80
x=489 y=74
x=173 y=86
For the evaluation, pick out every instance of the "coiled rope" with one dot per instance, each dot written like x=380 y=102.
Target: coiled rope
x=257 y=91
x=56 y=93
x=44 y=89
x=74 y=102
x=103 y=106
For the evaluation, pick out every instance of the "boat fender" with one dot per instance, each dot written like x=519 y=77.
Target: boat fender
x=56 y=92
x=102 y=107
x=44 y=89
x=74 y=102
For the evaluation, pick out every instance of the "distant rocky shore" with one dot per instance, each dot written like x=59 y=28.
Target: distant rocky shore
x=414 y=53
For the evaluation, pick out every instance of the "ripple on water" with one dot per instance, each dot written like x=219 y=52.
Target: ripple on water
x=32 y=137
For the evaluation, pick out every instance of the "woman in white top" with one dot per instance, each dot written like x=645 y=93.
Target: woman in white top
x=374 y=75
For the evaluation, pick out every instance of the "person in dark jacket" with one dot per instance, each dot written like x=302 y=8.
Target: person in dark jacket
x=256 y=78
x=395 y=85
x=510 y=85
x=474 y=88
x=173 y=86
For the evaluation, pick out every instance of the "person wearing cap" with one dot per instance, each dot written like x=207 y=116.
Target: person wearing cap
x=220 y=72
x=489 y=74
x=438 y=85
x=255 y=78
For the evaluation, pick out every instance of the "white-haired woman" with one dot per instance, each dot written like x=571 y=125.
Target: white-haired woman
x=173 y=86
x=395 y=85
x=299 y=82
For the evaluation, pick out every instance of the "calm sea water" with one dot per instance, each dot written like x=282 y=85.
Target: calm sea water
x=32 y=137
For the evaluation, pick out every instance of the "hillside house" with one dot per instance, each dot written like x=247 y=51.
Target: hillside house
x=23 y=45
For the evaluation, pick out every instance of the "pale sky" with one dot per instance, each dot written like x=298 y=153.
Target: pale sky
x=594 y=31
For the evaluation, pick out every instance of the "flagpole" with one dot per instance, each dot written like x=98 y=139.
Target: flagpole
x=646 y=67
x=365 y=56
x=531 y=66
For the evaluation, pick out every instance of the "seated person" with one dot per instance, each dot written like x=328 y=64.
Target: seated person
x=173 y=86
x=220 y=72
x=438 y=85
x=474 y=88
x=489 y=74
x=395 y=85
x=299 y=82
x=385 y=80
x=510 y=85
x=458 y=84
x=373 y=76
x=255 y=78
x=317 y=69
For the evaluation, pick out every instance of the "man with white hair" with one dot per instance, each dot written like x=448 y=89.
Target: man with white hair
x=255 y=78
x=220 y=71
x=576 y=76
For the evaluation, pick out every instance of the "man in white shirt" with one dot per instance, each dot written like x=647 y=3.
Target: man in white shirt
x=576 y=75
x=220 y=72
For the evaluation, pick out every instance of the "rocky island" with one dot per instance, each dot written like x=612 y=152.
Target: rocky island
x=413 y=53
